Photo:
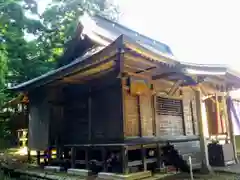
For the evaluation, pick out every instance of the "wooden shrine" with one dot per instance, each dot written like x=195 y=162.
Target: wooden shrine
x=119 y=101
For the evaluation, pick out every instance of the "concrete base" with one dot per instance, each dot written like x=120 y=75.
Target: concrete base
x=131 y=176
x=53 y=168
x=79 y=172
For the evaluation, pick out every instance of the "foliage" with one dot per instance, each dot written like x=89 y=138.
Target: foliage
x=51 y=29
x=31 y=43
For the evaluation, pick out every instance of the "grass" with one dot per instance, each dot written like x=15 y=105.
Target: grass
x=3 y=177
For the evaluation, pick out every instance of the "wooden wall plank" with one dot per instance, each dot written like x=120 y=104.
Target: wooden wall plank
x=131 y=127
x=146 y=114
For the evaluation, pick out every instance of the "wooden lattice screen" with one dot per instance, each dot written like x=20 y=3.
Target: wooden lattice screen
x=167 y=106
x=169 y=116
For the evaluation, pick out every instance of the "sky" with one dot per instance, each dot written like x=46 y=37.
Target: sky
x=197 y=31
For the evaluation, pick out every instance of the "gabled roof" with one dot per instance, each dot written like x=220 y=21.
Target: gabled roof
x=103 y=33
x=111 y=30
x=108 y=35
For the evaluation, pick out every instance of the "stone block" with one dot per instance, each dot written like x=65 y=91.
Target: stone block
x=131 y=176
x=79 y=172
x=53 y=168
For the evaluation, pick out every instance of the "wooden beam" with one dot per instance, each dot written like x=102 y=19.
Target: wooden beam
x=130 y=56
x=139 y=75
x=146 y=70
x=164 y=75
x=203 y=143
x=119 y=66
x=175 y=87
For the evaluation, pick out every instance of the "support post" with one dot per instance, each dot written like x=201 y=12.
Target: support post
x=218 y=115
x=59 y=152
x=159 y=159
x=90 y=115
x=29 y=155
x=143 y=153
x=203 y=145
x=86 y=157
x=38 y=157
x=139 y=116
x=153 y=99
x=49 y=155
x=73 y=157
x=125 y=169
x=231 y=132
x=103 y=150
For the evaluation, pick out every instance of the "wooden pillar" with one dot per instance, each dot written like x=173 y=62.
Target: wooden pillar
x=139 y=116
x=29 y=155
x=73 y=157
x=86 y=157
x=38 y=157
x=143 y=153
x=49 y=154
x=218 y=116
x=230 y=123
x=90 y=115
x=104 y=154
x=159 y=159
x=154 y=113
x=203 y=145
x=124 y=154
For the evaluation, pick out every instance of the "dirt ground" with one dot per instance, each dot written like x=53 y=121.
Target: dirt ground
x=214 y=176
x=16 y=161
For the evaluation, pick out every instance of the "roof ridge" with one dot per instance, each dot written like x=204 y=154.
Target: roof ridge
x=133 y=31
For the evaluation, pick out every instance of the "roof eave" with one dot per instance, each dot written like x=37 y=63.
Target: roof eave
x=62 y=71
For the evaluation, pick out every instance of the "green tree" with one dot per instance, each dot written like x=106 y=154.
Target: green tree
x=23 y=58
x=51 y=30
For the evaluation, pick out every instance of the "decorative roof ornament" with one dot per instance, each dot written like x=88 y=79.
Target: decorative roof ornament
x=89 y=29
